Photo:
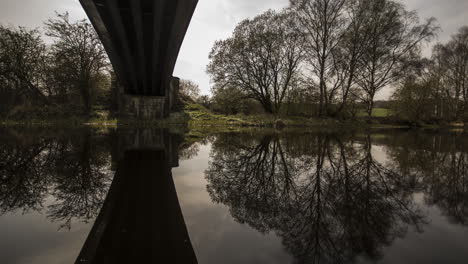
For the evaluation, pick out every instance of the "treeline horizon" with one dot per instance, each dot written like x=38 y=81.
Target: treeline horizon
x=329 y=58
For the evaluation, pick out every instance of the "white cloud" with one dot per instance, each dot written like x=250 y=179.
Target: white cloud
x=32 y=13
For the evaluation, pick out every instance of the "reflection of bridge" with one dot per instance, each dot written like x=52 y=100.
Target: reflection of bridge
x=141 y=220
x=142 y=39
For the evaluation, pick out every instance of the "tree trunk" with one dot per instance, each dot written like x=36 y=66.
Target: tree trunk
x=85 y=96
x=267 y=106
x=322 y=95
x=370 y=106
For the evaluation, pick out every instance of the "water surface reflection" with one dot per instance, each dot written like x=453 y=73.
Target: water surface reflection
x=327 y=198
x=117 y=196
x=334 y=198
x=52 y=186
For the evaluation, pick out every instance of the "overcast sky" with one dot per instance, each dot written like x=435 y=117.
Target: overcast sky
x=215 y=19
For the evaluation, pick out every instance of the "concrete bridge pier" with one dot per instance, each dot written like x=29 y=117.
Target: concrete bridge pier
x=141 y=107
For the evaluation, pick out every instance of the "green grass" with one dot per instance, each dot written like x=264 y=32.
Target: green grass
x=200 y=116
x=381 y=112
x=377 y=112
x=98 y=119
x=69 y=122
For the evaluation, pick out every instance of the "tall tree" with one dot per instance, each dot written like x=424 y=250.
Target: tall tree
x=78 y=52
x=395 y=38
x=22 y=60
x=437 y=88
x=261 y=58
x=454 y=58
x=323 y=24
x=435 y=75
x=337 y=35
x=350 y=50
x=189 y=89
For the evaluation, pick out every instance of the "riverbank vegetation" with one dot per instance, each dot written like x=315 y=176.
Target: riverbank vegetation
x=58 y=73
x=330 y=58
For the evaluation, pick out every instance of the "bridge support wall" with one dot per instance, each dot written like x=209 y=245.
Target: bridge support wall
x=136 y=107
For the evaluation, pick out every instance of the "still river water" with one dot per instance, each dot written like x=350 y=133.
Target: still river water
x=141 y=196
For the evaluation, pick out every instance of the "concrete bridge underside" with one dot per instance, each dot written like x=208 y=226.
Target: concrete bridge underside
x=143 y=40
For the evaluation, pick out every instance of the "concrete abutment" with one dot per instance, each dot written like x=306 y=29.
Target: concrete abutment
x=137 y=107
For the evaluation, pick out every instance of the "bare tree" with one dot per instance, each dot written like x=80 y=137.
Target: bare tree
x=261 y=58
x=336 y=37
x=395 y=38
x=350 y=50
x=434 y=73
x=454 y=58
x=323 y=24
x=189 y=89
x=79 y=52
x=22 y=59
x=436 y=88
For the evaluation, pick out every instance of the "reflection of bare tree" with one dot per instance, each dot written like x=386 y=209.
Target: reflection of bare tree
x=188 y=151
x=81 y=182
x=190 y=148
x=449 y=188
x=330 y=204
x=253 y=171
x=377 y=204
x=440 y=163
x=23 y=176
x=73 y=171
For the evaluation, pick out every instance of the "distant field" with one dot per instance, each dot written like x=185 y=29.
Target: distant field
x=377 y=112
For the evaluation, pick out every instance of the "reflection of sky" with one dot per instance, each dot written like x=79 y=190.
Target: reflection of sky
x=215 y=236
x=380 y=155
x=439 y=243
x=32 y=238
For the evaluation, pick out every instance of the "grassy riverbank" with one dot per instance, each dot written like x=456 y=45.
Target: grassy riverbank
x=196 y=116
x=382 y=118
x=200 y=116
x=97 y=118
